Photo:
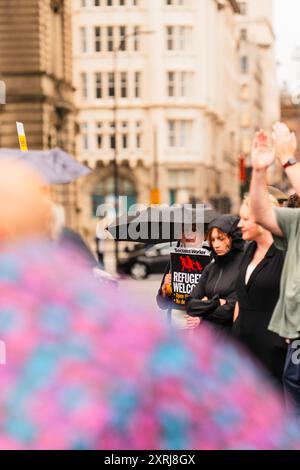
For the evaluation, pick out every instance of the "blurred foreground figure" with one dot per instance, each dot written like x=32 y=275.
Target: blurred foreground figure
x=25 y=208
x=87 y=370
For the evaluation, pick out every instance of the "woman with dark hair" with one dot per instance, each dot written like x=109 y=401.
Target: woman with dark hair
x=213 y=299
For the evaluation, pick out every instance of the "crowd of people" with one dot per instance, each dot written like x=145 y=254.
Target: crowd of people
x=251 y=288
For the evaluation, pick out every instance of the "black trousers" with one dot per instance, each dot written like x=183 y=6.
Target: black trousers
x=291 y=378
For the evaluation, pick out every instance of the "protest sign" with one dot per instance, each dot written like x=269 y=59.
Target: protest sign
x=186 y=268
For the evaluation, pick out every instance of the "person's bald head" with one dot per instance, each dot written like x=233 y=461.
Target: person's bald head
x=24 y=207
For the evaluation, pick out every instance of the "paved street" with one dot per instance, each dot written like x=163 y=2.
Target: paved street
x=143 y=292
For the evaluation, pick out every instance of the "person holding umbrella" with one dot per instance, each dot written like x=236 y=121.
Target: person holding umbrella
x=189 y=239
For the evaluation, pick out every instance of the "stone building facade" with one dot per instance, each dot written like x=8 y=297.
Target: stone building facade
x=259 y=94
x=36 y=66
x=172 y=89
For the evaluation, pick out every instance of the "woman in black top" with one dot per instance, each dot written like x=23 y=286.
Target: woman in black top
x=258 y=288
x=214 y=297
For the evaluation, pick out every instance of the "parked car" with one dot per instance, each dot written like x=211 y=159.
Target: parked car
x=144 y=260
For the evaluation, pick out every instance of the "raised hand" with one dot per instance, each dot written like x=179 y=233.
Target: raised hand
x=166 y=288
x=262 y=156
x=285 y=142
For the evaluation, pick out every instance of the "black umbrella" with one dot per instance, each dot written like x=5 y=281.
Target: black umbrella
x=158 y=224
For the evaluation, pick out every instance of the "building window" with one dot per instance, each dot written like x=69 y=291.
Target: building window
x=178 y=84
x=172 y=135
x=137 y=84
x=183 y=38
x=114 y=36
x=181 y=178
x=83 y=39
x=111 y=85
x=243 y=8
x=97 y=32
x=181 y=185
x=178 y=38
x=124 y=135
x=85 y=135
x=138 y=135
x=99 y=135
x=170 y=38
x=83 y=3
x=135 y=3
x=84 y=86
x=180 y=133
x=244 y=34
x=122 y=38
x=110 y=39
x=97 y=3
x=183 y=134
x=109 y=3
x=123 y=85
x=175 y=3
x=171 y=84
x=244 y=64
x=112 y=135
x=98 y=85
x=122 y=3
x=136 y=38
x=104 y=193
x=184 y=83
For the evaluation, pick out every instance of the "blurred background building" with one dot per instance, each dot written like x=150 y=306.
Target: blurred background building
x=169 y=92
x=177 y=100
x=259 y=97
x=36 y=65
x=290 y=112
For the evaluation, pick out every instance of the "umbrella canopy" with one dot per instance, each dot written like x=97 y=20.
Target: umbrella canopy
x=55 y=166
x=158 y=224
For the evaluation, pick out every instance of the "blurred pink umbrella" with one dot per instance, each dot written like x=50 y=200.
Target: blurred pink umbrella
x=87 y=369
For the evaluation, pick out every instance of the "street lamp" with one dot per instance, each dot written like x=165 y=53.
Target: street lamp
x=116 y=50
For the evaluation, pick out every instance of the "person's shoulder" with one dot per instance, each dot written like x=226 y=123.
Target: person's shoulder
x=287 y=213
x=288 y=220
x=209 y=266
x=277 y=252
x=248 y=248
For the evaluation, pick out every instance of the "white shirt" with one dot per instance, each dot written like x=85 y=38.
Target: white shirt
x=249 y=272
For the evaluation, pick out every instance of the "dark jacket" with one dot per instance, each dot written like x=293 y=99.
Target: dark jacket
x=218 y=280
x=257 y=301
